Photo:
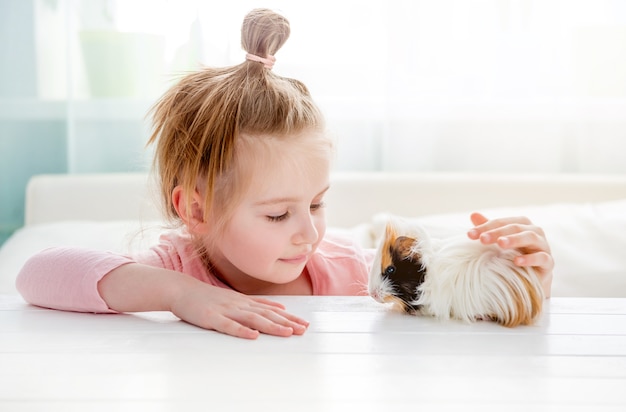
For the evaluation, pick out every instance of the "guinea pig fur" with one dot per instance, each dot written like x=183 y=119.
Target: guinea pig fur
x=453 y=278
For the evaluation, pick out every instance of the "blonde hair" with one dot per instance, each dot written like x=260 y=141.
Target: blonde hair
x=200 y=120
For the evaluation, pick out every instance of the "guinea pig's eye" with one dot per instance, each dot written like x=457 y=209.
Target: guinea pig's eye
x=389 y=270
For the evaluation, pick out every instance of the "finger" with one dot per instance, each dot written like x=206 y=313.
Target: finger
x=517 y=231
x=541 y=260
x=224 y=324
x=263 y=324
x=292 y=319
x=480 y=225
x=500 y=222
x=295 y=320
x=478 y=218
x=282 y=317
x=268 y=302
x=298 y=325
x=526 y=240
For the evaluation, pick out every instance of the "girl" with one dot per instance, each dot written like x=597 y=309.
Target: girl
x=243 y=162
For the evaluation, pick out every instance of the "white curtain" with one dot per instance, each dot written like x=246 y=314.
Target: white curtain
x=427 y=85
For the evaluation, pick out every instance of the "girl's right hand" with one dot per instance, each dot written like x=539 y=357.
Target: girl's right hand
x=196 y=302
x=233 y=313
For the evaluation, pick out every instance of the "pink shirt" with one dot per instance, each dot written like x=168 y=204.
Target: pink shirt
x=67 y=278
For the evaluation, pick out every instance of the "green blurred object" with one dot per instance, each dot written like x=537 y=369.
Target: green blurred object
x=122 y=64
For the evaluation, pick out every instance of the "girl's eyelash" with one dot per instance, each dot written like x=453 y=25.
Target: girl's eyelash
x=278 y=218
x=316 y=206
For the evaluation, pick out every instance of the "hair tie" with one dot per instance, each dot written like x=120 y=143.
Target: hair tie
x=268 y=62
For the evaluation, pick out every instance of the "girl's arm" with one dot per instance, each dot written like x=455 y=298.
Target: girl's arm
x=137 y=288
x=93 y=281
x=67 y=278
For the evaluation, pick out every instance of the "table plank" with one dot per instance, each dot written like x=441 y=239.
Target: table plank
x=301 y=379
x=356 y=354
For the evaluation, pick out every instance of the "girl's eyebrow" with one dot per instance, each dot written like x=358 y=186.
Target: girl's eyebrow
x=278 y=200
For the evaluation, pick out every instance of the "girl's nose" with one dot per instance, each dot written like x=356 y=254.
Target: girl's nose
x=307 y=231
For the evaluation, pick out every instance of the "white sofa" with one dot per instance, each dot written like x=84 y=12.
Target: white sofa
x=584 y=216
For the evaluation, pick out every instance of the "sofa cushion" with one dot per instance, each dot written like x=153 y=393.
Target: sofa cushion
x=587 y=240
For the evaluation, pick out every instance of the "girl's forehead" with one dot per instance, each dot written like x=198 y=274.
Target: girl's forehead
x=307 y=150
x=288 y=164
x=289 y=180
x=290 y=171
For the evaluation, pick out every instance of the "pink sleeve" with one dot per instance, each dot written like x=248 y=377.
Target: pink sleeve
x=67 y=278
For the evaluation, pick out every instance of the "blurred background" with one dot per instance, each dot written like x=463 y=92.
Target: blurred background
x=515 y=86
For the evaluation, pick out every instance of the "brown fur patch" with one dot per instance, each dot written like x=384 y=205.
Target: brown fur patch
x=524 y=315
x=388 y=245
x=403 y=246
x=398 y=304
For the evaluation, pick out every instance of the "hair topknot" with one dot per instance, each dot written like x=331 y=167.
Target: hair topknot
x=264 y=32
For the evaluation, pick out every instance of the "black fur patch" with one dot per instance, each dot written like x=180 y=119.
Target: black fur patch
x=406 y=274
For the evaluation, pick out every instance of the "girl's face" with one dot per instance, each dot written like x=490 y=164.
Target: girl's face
x=279 y=223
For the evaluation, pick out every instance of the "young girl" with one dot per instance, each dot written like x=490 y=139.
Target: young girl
x=243 y=162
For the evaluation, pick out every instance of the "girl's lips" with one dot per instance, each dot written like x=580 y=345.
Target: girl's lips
x=296 y=260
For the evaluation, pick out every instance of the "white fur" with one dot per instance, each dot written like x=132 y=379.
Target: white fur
x=466 y=280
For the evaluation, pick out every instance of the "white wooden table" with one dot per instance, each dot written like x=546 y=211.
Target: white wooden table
x=356 y=356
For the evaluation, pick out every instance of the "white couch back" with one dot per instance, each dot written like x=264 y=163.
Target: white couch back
x=353 y=198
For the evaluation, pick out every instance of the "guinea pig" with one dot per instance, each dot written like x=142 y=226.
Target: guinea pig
x=452 y=278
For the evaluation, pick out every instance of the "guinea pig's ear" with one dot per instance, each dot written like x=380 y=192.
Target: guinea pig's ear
x=387 y=248
x=403 y=247
x=390 y=232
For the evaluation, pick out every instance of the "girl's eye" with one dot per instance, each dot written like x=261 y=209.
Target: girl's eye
x=317 y=206
x=278 y=218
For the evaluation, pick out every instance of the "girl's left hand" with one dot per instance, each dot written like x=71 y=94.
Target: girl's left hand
x=521 y=234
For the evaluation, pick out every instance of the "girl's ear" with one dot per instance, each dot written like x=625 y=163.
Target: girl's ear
x=192 y=215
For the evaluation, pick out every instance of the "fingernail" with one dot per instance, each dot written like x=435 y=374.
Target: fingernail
x=485 y=237
x=504 y=241
x=473 y=233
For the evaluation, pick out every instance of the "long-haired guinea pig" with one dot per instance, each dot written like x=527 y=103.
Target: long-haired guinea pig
x=453 y=278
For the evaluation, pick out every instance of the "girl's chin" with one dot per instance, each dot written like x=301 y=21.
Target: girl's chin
x=286 y=275
x=283 y=280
